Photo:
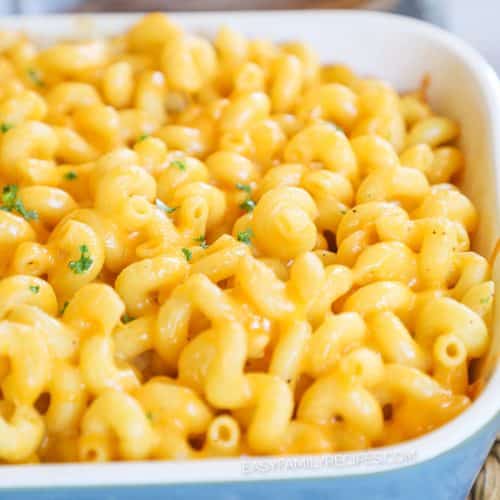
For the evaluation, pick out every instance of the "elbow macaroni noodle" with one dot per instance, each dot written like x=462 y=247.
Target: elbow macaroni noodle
x=222 y=249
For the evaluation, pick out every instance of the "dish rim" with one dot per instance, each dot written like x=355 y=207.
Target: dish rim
x=481 y=413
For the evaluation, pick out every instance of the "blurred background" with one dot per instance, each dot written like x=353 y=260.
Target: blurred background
x=474 y=20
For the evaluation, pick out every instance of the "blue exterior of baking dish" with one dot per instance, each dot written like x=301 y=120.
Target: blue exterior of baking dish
x=446 y=477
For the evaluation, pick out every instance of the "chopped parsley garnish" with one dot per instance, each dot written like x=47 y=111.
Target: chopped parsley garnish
x=71 y=175
x=84 y=263
x=34 y=289
x=248 y=205
x=245 y=236
x=164 y=206
x=187 y=253
x=179 y=164
x=149 y=416
x=485 y=300
x=5 y=127
x=63 y=308
x=127 y=319
x=244 y=187
x=202 y=241
x=35 y=77
x=11 y=203
x=142 y=137
x=9 y=195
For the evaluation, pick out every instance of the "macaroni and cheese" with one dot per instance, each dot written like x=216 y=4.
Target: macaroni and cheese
x=216 y=248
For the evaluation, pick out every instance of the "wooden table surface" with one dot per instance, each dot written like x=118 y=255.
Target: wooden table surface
x=487 y=486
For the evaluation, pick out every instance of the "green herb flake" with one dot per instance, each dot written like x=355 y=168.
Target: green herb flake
x=187 y=253
x=142 y=137
x=338 y=127
x=127 y=319
x=179 y=164
x=9 y=195
x=35 y=77
x=165 y=207
x=202 y=241
x=5 y=127
x=27 y=214
x=34 y=289
x=244 y=187
x=63 y=308
x=149 y=416
x=485 y=300
x=12 y=203
x=71 y=175
x=248 y=205
x=84 y=263
x=245 y=236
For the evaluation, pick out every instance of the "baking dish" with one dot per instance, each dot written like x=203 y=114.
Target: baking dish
x=439 y=465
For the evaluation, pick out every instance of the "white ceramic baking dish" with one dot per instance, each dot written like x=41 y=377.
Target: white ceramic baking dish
x=440 y=465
